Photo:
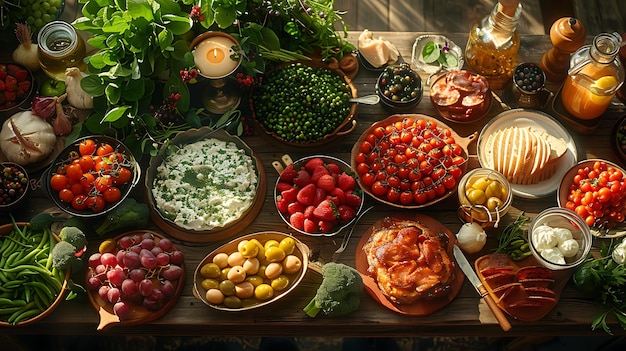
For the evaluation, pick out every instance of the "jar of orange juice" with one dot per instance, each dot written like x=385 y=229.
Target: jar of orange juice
x=594 y=77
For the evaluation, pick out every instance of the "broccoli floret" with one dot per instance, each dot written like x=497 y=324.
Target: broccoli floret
x=74 y=236
x=339 y=292
x=63 y=255
x=130 y=214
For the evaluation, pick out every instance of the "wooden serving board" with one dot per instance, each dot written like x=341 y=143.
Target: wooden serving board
x=527 y=300
x=421 y=307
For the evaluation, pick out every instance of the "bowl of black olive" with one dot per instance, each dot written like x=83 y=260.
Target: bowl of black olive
x=14 y=179
x=399 y=87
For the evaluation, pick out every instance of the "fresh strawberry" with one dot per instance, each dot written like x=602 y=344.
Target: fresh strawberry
x=282 y=205
x=346 y=182
x=346 y=213
x=306 y=195
x=10 y=96
x=312 y=163
x=326 y=226
x=310 y=226
x=297 y=220
x=10 y=83
x=308 y=211
x=2 y=86
x=22 y=88
x=282 y=186
x=333 y=168
x=3 y=71
x=326 y=182
x=302 y=178
x=318 y=172
x=320 y=195
x=289 y=195
x=326 y=211
x=288 y=174
x=338 y=196
x=353 y=200
x=295 y=207
x=21 y=75
x=12 y=69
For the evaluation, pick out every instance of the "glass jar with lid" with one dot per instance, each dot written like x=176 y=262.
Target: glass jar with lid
x=60 y=47
x=594 y=77
x=493 y=44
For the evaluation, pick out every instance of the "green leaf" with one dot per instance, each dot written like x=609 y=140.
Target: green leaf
x=269 y=39
x=165 y=39
x=177 y=25
x=92 y=85
x=133 y=89
x=115 y=113
x=430 y=52
x=140 y=9
x=224 y=17
x=113 y=93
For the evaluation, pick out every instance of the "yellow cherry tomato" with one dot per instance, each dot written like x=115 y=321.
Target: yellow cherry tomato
x=287 y=244
x=263 y=292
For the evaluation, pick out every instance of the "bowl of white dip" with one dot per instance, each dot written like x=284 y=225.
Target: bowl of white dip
x=204 y=186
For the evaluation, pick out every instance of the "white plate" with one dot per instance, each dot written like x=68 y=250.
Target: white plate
x=537 y=120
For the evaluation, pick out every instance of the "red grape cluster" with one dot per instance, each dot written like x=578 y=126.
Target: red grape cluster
x=143 y=271
x=167 y=112
x=244 y=80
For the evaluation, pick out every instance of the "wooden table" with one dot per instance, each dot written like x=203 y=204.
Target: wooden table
x=464 y=316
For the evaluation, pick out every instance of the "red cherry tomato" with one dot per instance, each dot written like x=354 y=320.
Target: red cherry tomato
x=59 y=182
x=104 y=149
x=95 y=203
x=112 y=194
x=121 y=176
x=66 y=195
x=87 y=147
x=74 y=172
x=79 y=202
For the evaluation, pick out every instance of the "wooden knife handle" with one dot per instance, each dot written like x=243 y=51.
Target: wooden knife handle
x=497 y=312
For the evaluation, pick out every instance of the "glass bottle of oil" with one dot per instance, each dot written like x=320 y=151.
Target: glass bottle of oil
x=494 y=42
x=60 y=47
x=594 y=77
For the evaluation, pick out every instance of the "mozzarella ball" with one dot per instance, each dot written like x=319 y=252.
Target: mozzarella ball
x=544 y=238
x=569 y=248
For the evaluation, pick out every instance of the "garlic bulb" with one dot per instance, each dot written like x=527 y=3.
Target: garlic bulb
x=76 y=96
x=26 y=138
x=619 y=253
x=471 y=237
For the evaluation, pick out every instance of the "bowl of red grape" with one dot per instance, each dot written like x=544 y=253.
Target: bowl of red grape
x=134 y=278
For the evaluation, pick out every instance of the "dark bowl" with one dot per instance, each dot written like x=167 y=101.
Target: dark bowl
x=14 y=185
x=399 y=88
x=71 y=153
x=24 y=95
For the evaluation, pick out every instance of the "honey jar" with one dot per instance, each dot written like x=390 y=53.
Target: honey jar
x=60 y=47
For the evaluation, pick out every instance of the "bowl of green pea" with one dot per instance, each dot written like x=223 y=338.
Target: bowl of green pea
x=304 y=104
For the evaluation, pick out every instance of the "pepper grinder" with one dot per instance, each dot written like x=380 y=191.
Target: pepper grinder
x=567 y=35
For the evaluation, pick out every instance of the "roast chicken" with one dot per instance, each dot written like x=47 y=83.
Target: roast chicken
x=409 y=261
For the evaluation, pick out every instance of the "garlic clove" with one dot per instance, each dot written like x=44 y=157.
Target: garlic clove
x=471 y=238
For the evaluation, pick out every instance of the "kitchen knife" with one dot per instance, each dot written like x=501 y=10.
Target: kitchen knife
x=467 y=269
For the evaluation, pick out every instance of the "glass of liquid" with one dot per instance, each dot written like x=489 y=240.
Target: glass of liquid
x=60 y=47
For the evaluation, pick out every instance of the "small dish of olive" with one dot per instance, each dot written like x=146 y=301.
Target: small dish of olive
x=399 y=87
x=14 y=187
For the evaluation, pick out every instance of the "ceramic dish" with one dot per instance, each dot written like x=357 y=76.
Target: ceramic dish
x=6 y=230
x=299 y=164
x=138 y=313
x=365 y=167
x=217 y=233
x=70 y=154
x=345 y=126
x=421 y=307
x=564 y=189
x=300 y=250
x=540 y=121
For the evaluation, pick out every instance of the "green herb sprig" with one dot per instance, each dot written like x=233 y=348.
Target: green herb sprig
x=433 y=52
x=513 y=240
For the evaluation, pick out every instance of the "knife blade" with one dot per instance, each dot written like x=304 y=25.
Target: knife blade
x=468 y=270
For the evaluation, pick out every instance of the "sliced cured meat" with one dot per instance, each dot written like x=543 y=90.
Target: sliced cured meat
x=543 y=292
x=501 y=290
x=444 y=95
x=534 y=272
x=495 y=270
x=524 y=303
x=500 y=279
x=536 y=282
x=512 y=293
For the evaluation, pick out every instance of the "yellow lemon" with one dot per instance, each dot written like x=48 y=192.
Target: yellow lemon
x=603 y=84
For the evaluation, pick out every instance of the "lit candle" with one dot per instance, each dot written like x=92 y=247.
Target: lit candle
x=213 y=55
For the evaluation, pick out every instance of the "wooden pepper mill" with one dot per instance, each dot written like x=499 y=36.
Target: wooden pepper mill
x=567 y=35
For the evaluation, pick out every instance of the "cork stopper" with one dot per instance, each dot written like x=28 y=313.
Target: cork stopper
x=508 y=7
x=568 y=34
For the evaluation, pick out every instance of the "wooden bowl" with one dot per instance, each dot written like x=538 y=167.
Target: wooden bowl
x=217 y=233
x=6 y=230
x=301 y=251
x=347 y=125
x=138 y=313
x=393 y=120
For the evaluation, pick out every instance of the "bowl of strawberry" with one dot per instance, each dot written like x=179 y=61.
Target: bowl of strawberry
x=91 y=176
x=318 y=195
x=17 y=85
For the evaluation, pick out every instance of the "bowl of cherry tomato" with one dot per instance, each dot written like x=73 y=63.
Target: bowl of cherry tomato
x=91 y=176
x=410 y=160
x=596 y=190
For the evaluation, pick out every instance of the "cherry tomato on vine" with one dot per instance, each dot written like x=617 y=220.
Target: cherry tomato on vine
x=112 y=194
x=121 y=176
x=87 y=147
x=59 y=182
x=104 y=149
x=79 y=202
